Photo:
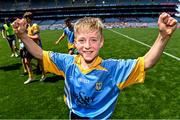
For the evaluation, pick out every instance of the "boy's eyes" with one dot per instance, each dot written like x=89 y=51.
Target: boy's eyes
x=94 y=40
x=91 y=41
x=81 y=40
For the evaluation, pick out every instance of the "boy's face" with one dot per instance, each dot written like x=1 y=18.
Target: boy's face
x=88 y=44
x=68 y=24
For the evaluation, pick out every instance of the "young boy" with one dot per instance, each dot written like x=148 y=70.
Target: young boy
x=69 y=32
x=92 y=85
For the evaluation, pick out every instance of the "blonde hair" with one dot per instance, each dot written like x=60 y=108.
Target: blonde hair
x=28 y=15
x=88 y=24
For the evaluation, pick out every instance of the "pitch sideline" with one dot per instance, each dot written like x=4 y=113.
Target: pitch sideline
x=130 y=38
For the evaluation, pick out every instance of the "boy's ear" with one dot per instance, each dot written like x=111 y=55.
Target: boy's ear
x=102 y=42
x=75 y=43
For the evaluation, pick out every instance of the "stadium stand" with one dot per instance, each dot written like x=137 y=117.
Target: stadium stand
x=53 y=12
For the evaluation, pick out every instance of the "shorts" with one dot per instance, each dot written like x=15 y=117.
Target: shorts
x=11 y=40
x=21 y=45
x=74 y=116
x=25 y=54
x=40 y=43
x=74 y=51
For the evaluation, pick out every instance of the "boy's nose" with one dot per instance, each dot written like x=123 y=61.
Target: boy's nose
x=87 y=44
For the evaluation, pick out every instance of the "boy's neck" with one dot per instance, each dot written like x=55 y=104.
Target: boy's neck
x=86 y=64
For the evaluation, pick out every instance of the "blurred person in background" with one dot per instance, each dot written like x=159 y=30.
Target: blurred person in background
x=33 y=31
x=24 y=58
x=9 y=34
x=69 y=32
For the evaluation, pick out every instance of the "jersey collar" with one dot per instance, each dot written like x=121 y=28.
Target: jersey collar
x=95 y=65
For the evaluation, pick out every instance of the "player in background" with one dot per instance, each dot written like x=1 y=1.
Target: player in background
x=69 y=32
x=92 y=85
x=24 y=58
x=33 y=31
x=9 y=35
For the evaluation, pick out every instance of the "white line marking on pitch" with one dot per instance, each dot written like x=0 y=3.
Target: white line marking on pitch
x=168 y=54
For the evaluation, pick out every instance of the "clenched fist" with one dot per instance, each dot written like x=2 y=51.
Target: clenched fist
x=167 y=25
x=20 y=26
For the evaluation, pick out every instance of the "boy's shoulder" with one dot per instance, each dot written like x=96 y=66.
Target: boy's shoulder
x=111 y=60
x=61 y=56
x=35 y=27
x=117 y=62
x=35 y=24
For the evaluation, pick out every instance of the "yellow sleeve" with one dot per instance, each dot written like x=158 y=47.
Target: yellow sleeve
x=137 y=75
x=36 y=28
x=70 y=45
x=49 y=66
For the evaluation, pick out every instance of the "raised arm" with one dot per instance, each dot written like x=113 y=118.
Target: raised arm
x=36 y=33
x=20 y=27
x=3 y=33
x=34 y=37
x=60 y=38
x=167 y=25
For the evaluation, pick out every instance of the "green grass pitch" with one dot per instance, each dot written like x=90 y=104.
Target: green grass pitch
x=157 y=98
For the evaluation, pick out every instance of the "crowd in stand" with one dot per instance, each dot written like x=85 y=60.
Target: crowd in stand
x=65 y=3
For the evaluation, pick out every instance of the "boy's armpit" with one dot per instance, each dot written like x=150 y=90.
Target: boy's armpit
x=49 y=66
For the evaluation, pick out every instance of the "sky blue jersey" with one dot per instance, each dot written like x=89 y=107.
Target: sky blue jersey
x=93 y=92
x=70 y=34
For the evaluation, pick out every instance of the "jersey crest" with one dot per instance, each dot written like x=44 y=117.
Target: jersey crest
x=98 y=86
